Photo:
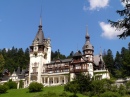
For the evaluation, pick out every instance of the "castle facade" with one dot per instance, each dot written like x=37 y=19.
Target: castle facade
x=57 y=72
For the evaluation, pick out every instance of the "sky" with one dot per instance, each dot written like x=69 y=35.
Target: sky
x=65 y=22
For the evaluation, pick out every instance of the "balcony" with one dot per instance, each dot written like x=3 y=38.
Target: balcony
x=57 y=68
x=54 y=73
x=78 y=70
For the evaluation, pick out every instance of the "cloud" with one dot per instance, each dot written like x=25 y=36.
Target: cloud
x=97 y=4
x=108 y=31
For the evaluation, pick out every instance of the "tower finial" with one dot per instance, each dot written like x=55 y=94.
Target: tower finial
x=40 y=20
x=100 y=54
x=87 y=35
x=87 y=31
x=41 y=15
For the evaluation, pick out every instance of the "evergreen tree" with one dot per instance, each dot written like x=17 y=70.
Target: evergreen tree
x=55 y=55
x=118 y=65
x=109 y=61
x=129 y=46
x=123 y=24
x=126 y=63
x=71 y=55
x=118 y=61
x=2 y=63
x=15 y=58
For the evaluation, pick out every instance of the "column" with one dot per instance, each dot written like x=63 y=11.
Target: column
x=59 y=80
x=26 y=83
x=48 y=81
x=53 y=80
x=18 y=85
x=64 y=80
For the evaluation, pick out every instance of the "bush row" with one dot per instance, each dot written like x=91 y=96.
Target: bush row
x=35 y=87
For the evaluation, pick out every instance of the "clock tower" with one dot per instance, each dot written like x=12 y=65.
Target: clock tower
x=88 y=51
x=40 y=54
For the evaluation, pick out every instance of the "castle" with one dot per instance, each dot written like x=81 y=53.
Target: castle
x=58 y=72
x=43 y=70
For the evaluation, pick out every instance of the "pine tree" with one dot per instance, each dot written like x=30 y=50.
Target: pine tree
x=126 y=63
x=118 y=65
x=71 y=55
x=109 y=61
x=2 y=63
x=123 y=24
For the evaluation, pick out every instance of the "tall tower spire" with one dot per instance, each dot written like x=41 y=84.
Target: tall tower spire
x=41 y=16
x=87 y=35
x=87 y=46
x=40 y=20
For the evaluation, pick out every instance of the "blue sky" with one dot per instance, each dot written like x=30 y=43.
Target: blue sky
x=64 y=21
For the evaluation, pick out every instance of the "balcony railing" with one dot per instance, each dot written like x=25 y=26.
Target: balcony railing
x=78 y=70
x=57 y=68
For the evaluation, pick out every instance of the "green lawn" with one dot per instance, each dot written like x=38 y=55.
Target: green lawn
x=25 y=93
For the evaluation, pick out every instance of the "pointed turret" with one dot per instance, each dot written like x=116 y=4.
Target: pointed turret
x=87 y=35
x=39 y=36
x=87 y=45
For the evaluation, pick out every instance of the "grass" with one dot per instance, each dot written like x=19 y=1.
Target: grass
x=25 y=92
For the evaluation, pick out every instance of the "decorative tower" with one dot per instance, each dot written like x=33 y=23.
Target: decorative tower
x=40 y=54
x=88 y=50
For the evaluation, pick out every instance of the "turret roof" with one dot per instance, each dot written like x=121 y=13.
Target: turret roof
x=39 y=36
x=77 y=54
x=87 y=45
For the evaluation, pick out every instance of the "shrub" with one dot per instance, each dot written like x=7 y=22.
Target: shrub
x=122 y=90
x=128 y=87
x=11 y=84
x=3 y=89
x=97 y=87
x=66 y=87
x=110 y=94
x=114 y=88
x=35 y=87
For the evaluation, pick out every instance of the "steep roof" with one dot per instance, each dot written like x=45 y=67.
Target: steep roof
x=87 y=45
x=77 y=54
x=97 y=59
x=39 y=36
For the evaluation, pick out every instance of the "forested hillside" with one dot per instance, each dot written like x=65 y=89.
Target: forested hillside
x=118 y=66
x=13 y=58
